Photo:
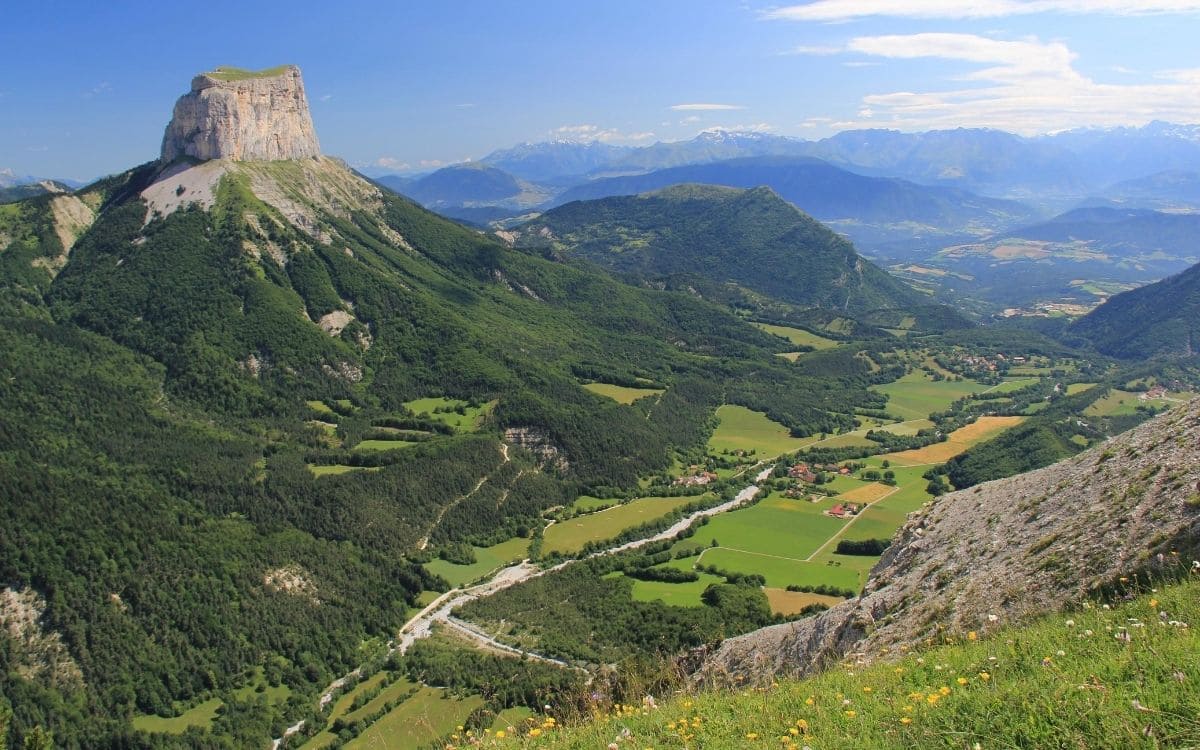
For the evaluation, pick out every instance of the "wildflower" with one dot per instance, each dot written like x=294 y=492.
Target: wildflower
x=1060 y=652
x=809 y=701
x=905 y=720
x=933 y=699
x=866 y=688
x=851 y=714
x=534 y=732
x=1070 y=623
x=802 y=725
x=992 y=618
x=961 y=680
x=499 y=734
x=1045 y=661
x=1087 y=632
x=793 y=731
x=972 y=635
x=984 y=676
x=944 y=690
x=1153 y=604
x=899 y=670
x=752 y=736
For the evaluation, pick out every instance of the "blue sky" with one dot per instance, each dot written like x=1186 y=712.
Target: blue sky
x=86 y=88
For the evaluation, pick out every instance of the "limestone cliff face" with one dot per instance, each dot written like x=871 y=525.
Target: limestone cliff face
x=242 y=116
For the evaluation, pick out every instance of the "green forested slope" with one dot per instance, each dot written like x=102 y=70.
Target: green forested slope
x=155 y=446
x=751 y=237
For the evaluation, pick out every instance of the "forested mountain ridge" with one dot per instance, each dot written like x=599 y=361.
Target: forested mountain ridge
x=749 y=237
x=1159 y=319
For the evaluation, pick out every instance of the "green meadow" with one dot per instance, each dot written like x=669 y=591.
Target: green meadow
x=468 y=421
x=916 y=395
x=798 y=336
x=570 y=536
x=620 y=393
x=741 y=429
x=487 y=559
x=200 y=716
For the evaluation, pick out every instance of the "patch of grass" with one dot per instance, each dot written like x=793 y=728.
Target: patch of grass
x=570 y=536
x=1012 y=385
x=200 y=716
x=1062 y=681
x=798 y=336
x=783 y=572
x=784 y=602
x=382 y=445
x=957 y=442
x=741 y=429
x=418 y=721
x=320 y=407
x=777 y=526
x=487 y=559
x=1121 y=403
x=230 y=74
x=916 y=395
x=468 y=421
x=335 y=469
x=620 y=393
x=675 y=594
x=1074 y=388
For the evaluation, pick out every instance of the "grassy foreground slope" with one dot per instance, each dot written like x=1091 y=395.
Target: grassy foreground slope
x=1119 y=677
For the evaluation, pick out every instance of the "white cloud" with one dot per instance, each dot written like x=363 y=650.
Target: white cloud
x=1024 y=85
x=690 y=119
x=753 y=127
x=704 y=107
x=586 y=133
x=327 y=97
x=99 y=89
x=465 y=105
x=390 y=162
x=845 y=10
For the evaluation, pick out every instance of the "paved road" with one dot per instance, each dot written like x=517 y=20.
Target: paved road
x=440 y=609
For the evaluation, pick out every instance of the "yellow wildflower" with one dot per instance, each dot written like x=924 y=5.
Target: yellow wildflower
x=933 y=699
x=905 y=720
x=1154 y=604
x=984 y=676
x=793 y=731
x=752 y=736
x=809 y=701
x=866 y=688
x=972 y=635
x=961 y=680
x=851 y=714
x=499 y=734
x=802 y=725
x=944 y=690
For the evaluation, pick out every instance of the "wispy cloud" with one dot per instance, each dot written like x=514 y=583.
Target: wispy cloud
x=587 y=133
x=845 y=10
x=464 y=105
x=1022 y=85
x=100 y=88
x=704 y=107
x=751 y=127
x=327 y=97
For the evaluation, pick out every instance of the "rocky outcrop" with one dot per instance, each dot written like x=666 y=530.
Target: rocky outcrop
x=244 y=116
x=1002 y=552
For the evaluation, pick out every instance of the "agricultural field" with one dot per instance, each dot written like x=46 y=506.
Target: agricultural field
x=420 y=720
x=487 y=559
x=741 y=429
x=200 y=716
x=675 y=594
x=784 y=602
x=620 y=393
x=445 y=410
x=798 y=336
x=1123 y=403
x=957 y=442
x=570 y=536
x=382 y=445
x=336 y=469
x=1012 y=385
x=775 y=526
x=1074 y=388
x=916 y=395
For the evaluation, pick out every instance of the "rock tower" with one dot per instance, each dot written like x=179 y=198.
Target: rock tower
x=242 y=115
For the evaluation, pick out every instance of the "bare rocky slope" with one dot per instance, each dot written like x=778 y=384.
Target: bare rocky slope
x=1002 y=552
